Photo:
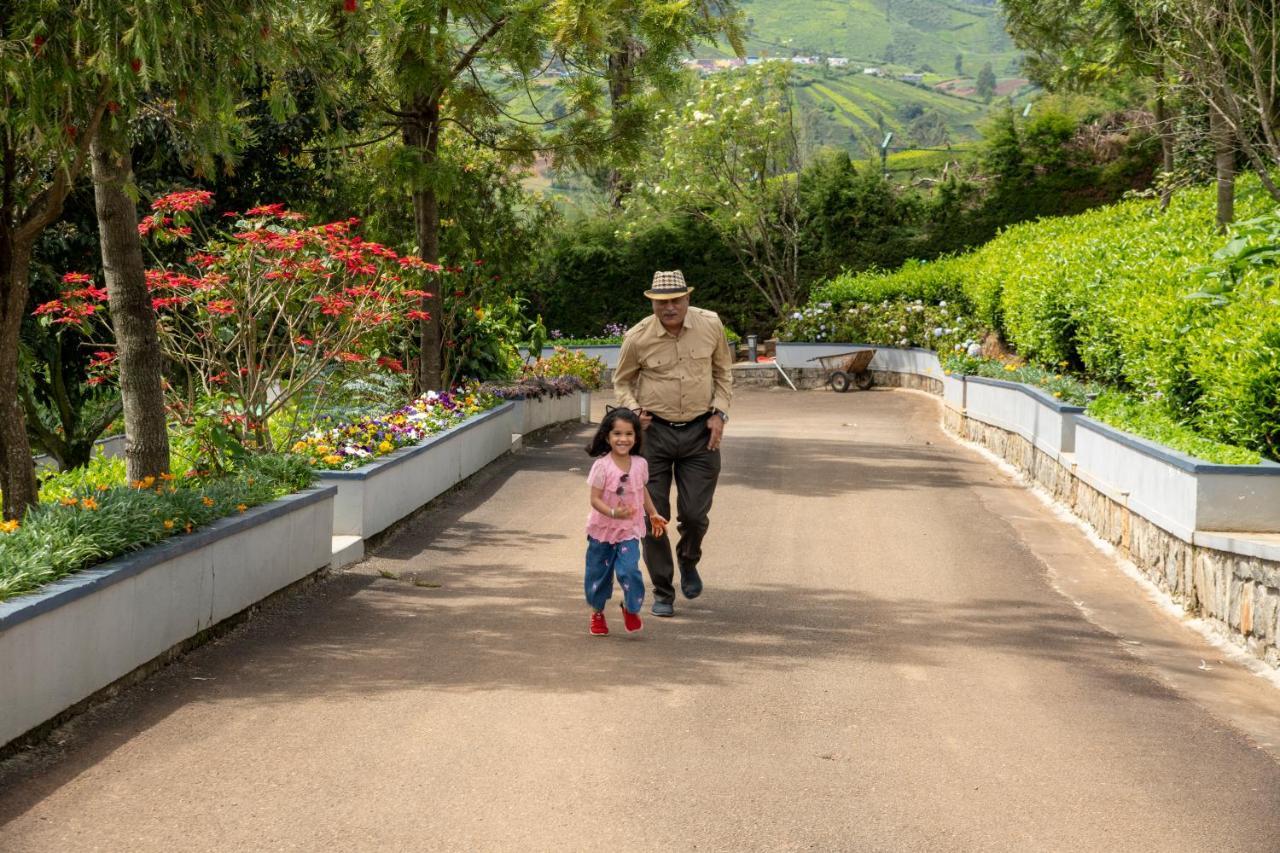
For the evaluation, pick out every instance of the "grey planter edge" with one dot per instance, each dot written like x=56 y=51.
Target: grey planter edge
x=1182 y=461
x=1035 y=393
x=88 y=581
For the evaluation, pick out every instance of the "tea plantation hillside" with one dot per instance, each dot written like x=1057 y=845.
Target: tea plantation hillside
x=918 y=34
x=852 y=110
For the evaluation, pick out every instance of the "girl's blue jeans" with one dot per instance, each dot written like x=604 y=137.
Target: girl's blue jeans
x=606 y=559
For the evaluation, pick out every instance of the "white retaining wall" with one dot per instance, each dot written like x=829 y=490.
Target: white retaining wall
x=372 y=498
x=74 y=637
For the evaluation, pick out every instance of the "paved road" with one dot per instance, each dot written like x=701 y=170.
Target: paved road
x=883 y=661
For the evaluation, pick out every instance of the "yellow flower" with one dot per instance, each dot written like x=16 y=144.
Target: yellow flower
x=300 y=447
x=168 y=524
x=241 y=507
x=9 y=526
x=89 y=503
x=332 y=459
x=1010 y=367
x=206 y=500
x=386 y=447
x=68 y=501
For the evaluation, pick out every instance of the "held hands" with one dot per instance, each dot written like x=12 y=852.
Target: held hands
x=659 y=525
x=715 y=428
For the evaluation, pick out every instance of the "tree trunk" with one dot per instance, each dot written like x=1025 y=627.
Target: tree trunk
x=133 y=320
x=17 y=469
x=1166 y=149
x=422 y=135
x=621 y=74
x=1224 y=157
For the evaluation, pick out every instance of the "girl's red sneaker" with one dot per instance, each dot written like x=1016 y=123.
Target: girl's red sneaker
x=599 y=628
x=631 y=621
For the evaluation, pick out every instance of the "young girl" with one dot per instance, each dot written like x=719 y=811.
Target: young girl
x=616 y=525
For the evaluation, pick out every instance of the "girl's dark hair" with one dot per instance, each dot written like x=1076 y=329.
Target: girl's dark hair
x=599 y=445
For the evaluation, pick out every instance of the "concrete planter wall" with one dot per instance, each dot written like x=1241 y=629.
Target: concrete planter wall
x=531 y=415
x=1046 y=422
x=954 y=392
x=372 y=498
x=71 y=639
x=1178 y=492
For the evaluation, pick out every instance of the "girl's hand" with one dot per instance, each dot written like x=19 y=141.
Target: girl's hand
x=659 y=525
x=621 y=511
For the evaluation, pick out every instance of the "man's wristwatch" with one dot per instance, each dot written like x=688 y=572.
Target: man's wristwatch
x=724 y=416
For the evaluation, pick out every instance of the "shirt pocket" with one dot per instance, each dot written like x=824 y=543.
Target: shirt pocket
x=659 y=362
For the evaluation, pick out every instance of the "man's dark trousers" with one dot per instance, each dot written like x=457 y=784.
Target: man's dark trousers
x=679 y=452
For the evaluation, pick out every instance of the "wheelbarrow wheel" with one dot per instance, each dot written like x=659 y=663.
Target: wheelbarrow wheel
x=839 y=381
x=864 y=380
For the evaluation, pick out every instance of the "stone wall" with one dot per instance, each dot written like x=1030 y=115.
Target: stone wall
x=1238 y=592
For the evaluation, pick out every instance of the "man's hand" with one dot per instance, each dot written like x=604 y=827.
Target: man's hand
x=715 y=426
x=645 y=418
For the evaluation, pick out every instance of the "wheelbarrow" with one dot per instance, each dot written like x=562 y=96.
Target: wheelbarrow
x=847 y=368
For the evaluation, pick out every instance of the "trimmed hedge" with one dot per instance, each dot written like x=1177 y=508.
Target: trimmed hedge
x=1117 y=295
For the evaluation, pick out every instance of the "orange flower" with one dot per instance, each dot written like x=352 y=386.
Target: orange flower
x=9 y=526
x=89 y=503
x=168 y=524
x=206 y=500
x=241 y=507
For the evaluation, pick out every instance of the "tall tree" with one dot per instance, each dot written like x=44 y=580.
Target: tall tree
x=48 y=116
x=189 y=67
x=1228 y=53
x=986 y=83
x=441 y=66
x=645 y=41
x=729 y=157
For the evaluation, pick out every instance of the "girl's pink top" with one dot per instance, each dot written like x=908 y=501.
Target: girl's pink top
x=606 y=475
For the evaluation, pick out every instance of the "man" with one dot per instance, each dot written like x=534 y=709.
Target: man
x=675 y=371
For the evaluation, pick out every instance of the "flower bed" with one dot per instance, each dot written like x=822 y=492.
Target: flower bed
x=383 y=490
x=80 y=634
x=98 y=521
x=345 y=447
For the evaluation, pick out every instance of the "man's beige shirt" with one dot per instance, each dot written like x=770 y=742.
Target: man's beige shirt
x=675 y=377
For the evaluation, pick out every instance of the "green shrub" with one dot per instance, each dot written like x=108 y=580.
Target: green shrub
x=567 y=362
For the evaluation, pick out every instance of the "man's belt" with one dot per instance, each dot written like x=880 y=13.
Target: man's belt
x=678 y=424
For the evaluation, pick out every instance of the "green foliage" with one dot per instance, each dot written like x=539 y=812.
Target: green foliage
x=592 y=277
x=95 y=518
x=482 y=339
x=567 y=362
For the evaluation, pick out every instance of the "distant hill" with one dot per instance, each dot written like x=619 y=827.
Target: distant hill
x=852 y=110
x=915 y=35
